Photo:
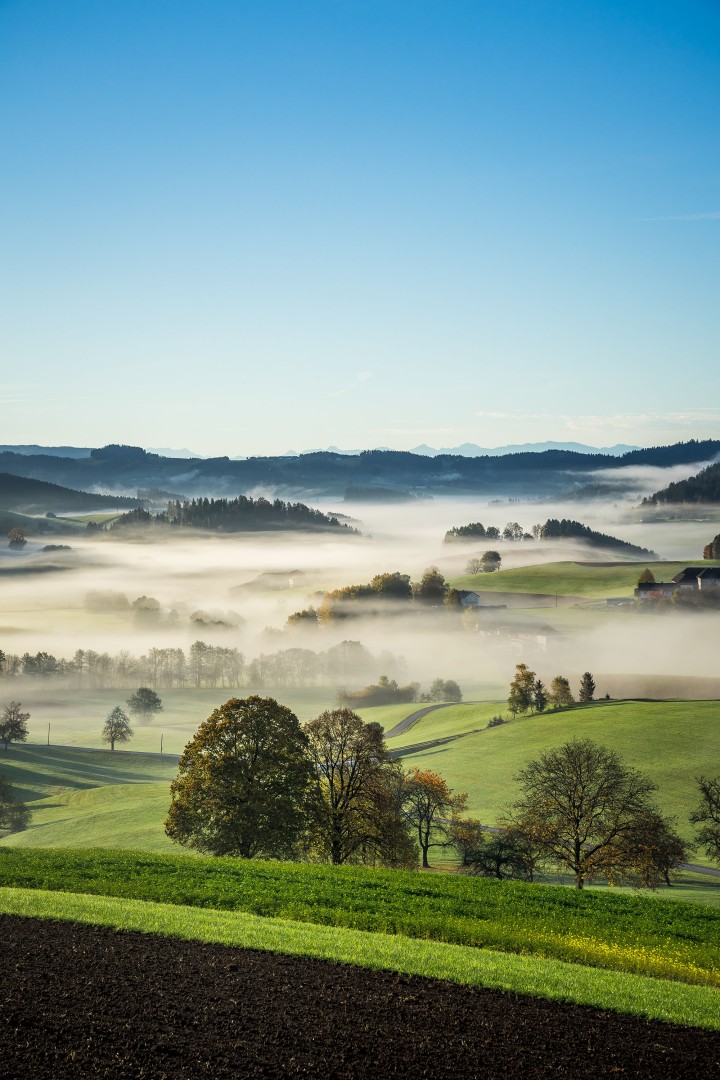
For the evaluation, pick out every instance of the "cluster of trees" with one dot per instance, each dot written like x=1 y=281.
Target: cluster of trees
x=488 y=562
x=392 y=591
x=387 y=692
x=476 y=531
x=202 y=665
x=16 y=538
x=553 y=529
x=528 y=693
x=144 y=704
x=242 y=514
x=253 y=782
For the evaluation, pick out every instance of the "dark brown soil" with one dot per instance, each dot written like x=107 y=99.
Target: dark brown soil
x=80 y=1001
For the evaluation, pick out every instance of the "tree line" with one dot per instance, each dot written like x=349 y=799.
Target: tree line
x=528 y=693
x=201 y=666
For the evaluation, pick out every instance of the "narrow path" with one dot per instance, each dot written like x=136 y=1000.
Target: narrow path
x=413 y=718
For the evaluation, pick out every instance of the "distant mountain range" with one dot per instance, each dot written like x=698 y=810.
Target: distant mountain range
x=473 y=450
x=321 y=475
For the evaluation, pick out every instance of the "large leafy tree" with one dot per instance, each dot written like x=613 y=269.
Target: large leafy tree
x=582 y=807
x=13 y=723
x=245 y=782
x=707 y=814
x=432 y=588
x=359 y=816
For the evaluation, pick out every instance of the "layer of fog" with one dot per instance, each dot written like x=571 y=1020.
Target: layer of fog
x=87 y=603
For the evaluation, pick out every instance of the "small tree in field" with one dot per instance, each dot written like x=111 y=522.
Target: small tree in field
x=13 y=724
x=16 y=538
x=560 y=693
x=14 y=815
x=474 y=566
x=520 y=698
x=540 y=698
x=117 y=728
x=587 y=687
x=144 y=703
x=646 y=578
x=708 y=815
x=431 y=808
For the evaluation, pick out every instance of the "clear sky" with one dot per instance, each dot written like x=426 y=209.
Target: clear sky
x=245 y=226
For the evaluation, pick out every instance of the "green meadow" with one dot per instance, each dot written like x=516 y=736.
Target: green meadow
x=610 y=929
x=83 y=797
x=591 y=581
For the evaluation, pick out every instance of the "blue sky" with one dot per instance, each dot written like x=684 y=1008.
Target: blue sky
x=245 y=227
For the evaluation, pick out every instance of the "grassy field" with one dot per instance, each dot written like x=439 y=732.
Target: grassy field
x=671 y=741
x=610 y=930
x=76 y=716
x=84 y=797
x=658 y=999
x=590 y=581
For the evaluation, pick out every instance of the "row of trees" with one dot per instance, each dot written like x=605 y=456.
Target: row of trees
x=528 y=693
x=387 y=692
x=202 y=665
x=384 y=590
x=255 y=782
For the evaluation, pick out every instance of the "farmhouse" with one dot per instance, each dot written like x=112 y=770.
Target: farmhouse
x=692 y=579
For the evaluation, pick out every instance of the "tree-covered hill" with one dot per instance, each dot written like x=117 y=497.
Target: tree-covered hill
x=703 y=488
x=27 y=496
x=233 y=515
x=330 y=474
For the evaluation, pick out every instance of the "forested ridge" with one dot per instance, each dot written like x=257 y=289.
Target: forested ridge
x=126 y=467
x=241 y=514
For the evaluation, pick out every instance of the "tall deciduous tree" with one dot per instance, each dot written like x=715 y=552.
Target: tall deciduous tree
x=245 y=782
x=432 y=588
x=707 y=814
x=13 y=723
x=117 y=728
x=355 y=787
x=561 y=695
x=522 y=689
x=581 y=805
x=431 y=808
x=491 y=561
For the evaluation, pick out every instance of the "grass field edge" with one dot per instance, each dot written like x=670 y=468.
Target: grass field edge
x=554 y=980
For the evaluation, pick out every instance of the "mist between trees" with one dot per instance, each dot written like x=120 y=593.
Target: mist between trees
x=348 y=663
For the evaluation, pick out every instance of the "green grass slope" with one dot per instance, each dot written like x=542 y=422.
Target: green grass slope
x=588 y=580
x=658 y=999
x=671 y=741
x=602 y=929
